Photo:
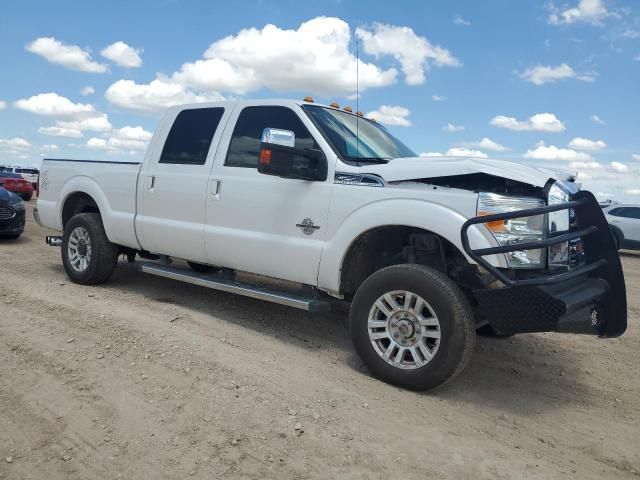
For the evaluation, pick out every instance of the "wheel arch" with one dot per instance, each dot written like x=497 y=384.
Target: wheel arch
x=414 y=215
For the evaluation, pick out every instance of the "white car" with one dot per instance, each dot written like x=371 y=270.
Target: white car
x=426 y=250
x=624 y=220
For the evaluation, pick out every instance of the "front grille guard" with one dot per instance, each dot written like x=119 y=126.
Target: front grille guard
x=601 y=255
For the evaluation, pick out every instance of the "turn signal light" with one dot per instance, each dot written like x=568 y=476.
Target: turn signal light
x=265 y=156
x=496 y=226
x=308 y=99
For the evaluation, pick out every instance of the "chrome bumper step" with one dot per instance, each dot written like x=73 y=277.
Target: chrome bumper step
x=301 y=301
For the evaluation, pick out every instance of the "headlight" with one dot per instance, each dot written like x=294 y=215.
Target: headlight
x=560 y=221
x=16 y=202
x=515 y=230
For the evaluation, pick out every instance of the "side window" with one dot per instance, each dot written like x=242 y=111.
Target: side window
x=244 y=148
x=617 y=212
x=190 y=136
x=633 y=212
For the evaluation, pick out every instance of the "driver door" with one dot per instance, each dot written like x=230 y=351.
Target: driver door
x=261 y=223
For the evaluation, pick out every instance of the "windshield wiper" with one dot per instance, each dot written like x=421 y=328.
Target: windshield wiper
x=369 y=159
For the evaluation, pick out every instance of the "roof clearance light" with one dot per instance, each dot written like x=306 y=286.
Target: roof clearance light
x=334 y=105
x=347 y=109
x=360 y=114
x=308 y=99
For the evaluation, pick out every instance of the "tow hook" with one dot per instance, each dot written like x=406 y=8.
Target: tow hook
x=54 y=240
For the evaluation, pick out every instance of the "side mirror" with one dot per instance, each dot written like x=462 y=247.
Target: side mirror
x=279 y=157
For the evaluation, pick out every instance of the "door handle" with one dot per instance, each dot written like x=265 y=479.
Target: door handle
x=214 y=189
x=150 y=182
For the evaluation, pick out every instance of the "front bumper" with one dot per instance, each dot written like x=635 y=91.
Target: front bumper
x=12 y=224
x=589 y=299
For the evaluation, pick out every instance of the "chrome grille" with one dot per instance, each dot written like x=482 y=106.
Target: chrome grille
x=6 y=212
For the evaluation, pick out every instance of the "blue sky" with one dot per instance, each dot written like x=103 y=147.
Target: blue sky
x=554 y=84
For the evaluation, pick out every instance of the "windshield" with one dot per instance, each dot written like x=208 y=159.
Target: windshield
x=357 y=139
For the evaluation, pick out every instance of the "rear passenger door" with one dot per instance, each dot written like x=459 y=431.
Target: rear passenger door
x=174 y=183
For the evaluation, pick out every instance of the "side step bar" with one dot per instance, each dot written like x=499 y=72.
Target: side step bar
x=304 y=302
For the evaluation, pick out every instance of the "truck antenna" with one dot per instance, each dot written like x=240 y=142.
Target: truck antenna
x=357 y=96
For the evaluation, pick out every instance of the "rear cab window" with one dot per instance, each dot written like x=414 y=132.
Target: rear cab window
x=190 y=137
x=244 y=148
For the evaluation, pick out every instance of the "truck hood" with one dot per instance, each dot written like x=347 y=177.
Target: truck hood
x=406 y=169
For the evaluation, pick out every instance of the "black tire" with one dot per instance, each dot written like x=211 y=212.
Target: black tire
x=27 y=197
x=104 y=254
x=455 y=316
x=202 y=268
x=13 y=236
x=616 y=239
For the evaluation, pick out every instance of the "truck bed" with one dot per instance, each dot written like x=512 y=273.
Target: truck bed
x=111 y=184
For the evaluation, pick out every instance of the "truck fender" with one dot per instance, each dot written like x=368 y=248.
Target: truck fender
x=436 y=218
x=84 y=184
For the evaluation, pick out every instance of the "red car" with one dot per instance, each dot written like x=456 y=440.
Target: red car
x=17 y=184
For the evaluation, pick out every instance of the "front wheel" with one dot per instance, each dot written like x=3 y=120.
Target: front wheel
x=88 y=256
x=412 y=326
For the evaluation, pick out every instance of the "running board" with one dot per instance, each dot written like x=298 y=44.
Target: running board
x=304 y=302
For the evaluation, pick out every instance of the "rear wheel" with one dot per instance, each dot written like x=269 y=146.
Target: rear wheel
x=87 y=255
x=13 y=236
x=202 y=268
x=412 y=326
x=26 y=197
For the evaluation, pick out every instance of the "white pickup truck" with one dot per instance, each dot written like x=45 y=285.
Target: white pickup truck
x=425 y=250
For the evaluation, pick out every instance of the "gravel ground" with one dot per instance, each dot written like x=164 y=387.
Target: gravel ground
x=148 y=378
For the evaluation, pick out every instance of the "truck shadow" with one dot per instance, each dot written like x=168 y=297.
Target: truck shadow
x=525 y=374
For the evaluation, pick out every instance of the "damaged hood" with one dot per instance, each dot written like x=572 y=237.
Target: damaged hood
x=406 y=169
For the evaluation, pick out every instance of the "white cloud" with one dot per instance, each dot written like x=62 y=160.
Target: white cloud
x=54 y=105
x=391 y=115
x=541 y=74
x=98 y=123
x=585 y=166
x=551 y=152
x=123 y=55
x=97 y=144
x=459 y=20
x=3 y=105
x=125 y=138
x=456 y=152
x=633 y=191
x=86 y=91
x=586 y=11
x=51 y=147
x=314 y=58
x=540 y=122
x=488 y=144
x=317 y=57
x=60 y=132
x=465 y=152
x=450 y=127
x=580 y=143
x=13 y=144
x=596 y=119
x=69 y=56
x=157 y=95
x=619 y=167
x=438 y=98
x=636 y=156
x=414 y=53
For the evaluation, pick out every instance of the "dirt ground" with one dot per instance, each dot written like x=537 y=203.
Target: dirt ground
x=149 y=378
